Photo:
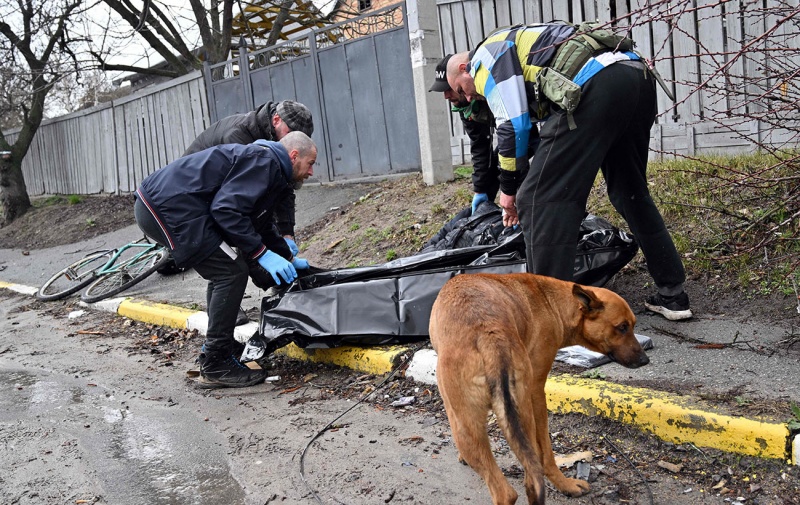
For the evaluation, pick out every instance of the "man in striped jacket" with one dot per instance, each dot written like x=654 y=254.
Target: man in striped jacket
x=609 y=129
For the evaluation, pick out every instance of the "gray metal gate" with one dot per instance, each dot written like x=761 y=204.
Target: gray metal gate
x=356 y=78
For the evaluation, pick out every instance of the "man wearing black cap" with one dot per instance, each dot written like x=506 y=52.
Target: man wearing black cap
x=270 y=121
x=478 y=122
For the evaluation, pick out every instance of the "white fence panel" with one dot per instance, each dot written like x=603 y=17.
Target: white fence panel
x=112 y=147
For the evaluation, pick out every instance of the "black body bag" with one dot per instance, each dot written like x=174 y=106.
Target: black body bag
x=391 y=303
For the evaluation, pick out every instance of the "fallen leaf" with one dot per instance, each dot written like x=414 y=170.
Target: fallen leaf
x=720 y=484
x=567 y=460
x=335 y=243
x=670 y=467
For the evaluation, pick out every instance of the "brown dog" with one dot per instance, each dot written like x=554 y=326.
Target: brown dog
x=496 y=337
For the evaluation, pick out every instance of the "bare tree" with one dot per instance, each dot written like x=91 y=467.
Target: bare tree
x=185 y=42
x=38 y=47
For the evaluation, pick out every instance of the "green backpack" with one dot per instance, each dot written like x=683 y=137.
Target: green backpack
x=555 y=80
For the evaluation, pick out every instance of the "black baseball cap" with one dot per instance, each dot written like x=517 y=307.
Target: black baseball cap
x=440 y=83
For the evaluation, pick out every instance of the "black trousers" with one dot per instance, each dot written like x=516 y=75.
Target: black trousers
x=227 y=274
x=614 y=117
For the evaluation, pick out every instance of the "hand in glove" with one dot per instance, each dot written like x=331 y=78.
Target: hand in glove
x=300 y=263
x=478 y=199
x=292 y=246
x=277 y=266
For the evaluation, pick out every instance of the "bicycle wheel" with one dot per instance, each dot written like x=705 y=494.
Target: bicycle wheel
x=121 y=279
x=74 y=277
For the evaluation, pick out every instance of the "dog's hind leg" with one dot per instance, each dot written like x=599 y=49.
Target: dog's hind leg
x=514 y=410
x=467 y=409
x=472 y=442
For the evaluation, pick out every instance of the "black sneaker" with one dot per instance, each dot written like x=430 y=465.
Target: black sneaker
x=224 y=370
x=674 y=308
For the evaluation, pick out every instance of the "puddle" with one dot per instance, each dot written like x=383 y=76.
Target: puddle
x=165 y=461
x=19 y=389
x=142 y=452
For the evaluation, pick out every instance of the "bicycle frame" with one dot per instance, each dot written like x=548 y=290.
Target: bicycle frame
x=111 y=266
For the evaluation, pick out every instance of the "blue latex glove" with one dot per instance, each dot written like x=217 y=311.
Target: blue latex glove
x=478 y=199
x=300 y=263
x=277 y=266
x=292 y=246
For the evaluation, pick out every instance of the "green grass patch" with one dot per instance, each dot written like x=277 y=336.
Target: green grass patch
x=731 y=215
x=462 y=172
x=49 y=201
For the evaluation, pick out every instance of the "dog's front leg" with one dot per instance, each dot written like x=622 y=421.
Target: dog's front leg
x=570 y=487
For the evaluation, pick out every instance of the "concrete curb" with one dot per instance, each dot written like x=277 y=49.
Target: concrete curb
x=673 y=418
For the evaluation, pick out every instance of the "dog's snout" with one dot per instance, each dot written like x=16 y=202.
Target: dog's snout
x=630 y=360
x=639 y=360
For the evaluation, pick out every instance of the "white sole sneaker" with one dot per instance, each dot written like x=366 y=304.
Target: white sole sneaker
x=672 y=315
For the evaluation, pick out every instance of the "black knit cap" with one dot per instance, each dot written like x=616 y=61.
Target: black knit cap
x=440 y=84
x=296 y=116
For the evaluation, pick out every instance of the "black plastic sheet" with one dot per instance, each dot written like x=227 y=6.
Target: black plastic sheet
x=391 y=303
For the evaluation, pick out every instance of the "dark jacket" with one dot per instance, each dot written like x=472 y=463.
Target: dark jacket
x=220 y=194
x=480 y=126
x=485 y=171
x=245 y=129
x=235 y=129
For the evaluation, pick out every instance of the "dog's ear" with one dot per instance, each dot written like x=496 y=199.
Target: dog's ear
x=589 y=302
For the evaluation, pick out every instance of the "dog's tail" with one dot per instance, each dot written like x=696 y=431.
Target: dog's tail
x=512 y=403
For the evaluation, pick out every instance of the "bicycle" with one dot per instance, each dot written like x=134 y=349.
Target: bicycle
x=106 y=273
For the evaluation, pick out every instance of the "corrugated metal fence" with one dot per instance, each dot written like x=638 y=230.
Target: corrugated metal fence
x=356 y=78
x=365 y=114
x=112 y=147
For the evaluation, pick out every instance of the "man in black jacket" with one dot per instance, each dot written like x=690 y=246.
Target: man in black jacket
x=478 y=122
x=203 y=205
x=270 y=121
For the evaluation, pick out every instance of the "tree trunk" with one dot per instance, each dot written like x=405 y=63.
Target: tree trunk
x=14 y=200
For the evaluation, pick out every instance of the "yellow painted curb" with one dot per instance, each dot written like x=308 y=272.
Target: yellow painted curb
x=373 y=361
x=670 y=417
x=155 y=313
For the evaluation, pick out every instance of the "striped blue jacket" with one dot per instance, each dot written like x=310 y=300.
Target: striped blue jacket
x=504 y=67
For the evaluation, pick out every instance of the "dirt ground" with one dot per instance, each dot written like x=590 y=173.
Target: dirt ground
x=54 y=221
x=394 y=220
x=134 y=374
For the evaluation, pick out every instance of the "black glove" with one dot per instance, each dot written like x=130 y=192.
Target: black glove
x=261 y=278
